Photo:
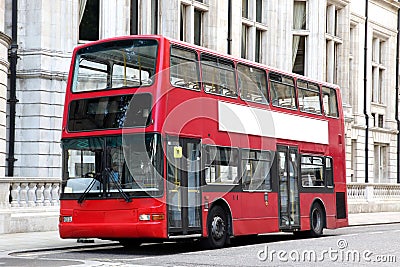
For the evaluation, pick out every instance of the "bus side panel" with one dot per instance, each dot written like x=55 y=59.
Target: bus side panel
x=328 y=202
x=249 y=211
x=258 y=215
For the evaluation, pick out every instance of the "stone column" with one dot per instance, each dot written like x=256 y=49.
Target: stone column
x=5 y=41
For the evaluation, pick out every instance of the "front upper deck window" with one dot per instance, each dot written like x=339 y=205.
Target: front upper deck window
x=117 y=64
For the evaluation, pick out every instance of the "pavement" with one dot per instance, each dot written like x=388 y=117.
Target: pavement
x=32 y=241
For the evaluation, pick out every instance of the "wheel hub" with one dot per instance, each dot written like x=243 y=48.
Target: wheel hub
x=218 y=227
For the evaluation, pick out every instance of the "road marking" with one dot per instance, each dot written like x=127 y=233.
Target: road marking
x=378 y=232
x=48 y=252
x=350 y=235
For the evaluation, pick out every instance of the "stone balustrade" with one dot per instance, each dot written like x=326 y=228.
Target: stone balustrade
x=20 y=192
x=372 y=192
x=363 y=197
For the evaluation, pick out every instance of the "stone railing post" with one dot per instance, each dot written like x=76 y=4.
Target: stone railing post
x=39 y=194
x=31 y=194
x=55 y=194
x=47 y=194
x=369 y=192
x=15 y=195
x=23 y=195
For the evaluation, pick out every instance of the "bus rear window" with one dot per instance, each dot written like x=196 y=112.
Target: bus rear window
x=110 y=112
x=125 y=63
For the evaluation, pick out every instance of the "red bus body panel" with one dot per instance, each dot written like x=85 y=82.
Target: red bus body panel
x=190 y=113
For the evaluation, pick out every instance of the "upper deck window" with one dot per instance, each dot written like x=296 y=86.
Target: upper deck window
x=126 y=63
x=330 y=102
x=218 y=76
x=309 y=97
x=283 y=93
x=252 y=84
x=184 y=68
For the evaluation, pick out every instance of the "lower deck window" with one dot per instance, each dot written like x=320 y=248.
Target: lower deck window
x=316 y=171
x=221 y=165
x=256 y=167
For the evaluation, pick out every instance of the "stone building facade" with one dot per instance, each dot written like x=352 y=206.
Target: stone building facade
x=322 y=39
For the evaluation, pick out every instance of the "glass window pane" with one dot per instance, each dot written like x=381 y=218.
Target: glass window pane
x=283 y=93
x=256 y=170
x=218 y=76
x=115 y=64
x=299 y=15
x=309 y=97
x=252 y=83
x=330 y=102
x=312 y=171
x=184 y=69
x=221 y=165
x=89 y=25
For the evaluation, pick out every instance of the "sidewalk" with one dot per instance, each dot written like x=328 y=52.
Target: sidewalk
x=51 y=240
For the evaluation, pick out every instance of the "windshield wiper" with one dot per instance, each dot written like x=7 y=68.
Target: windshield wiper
x=118 y=185
x=87 y=190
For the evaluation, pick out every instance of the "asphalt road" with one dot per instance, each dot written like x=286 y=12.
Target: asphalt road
x=374 y=245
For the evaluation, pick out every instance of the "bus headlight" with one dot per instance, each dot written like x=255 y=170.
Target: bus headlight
x=144 y=217
x=153 y=217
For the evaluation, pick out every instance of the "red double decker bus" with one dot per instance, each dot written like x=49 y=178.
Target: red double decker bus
x=163 y=139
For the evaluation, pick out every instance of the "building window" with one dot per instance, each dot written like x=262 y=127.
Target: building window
x=191 y=22
x=353 y=160
x=259 y=11
x=198 y=14
x=245 y=9
x=378 y=70
x=253 y=43
x=353 y=59
x=154 y=16
x=245 y=33
x=89 y=18
x=380 y=120
x=183 y=23
x=333 y=41
x=259 y=37
x=300 y=34
x=380 y=160
x=134 y=19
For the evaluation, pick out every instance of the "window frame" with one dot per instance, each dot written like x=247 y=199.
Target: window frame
x=263 y=93
x=323 y=93
x=210 y=163
x=308 y=89
x=327 y=175
x=199 y=83
x=257 y=158
x=220 y=63
x=270 y=87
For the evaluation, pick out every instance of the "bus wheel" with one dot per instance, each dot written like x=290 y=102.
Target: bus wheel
x=316 y=220
x=130 y=243
x=217 y=227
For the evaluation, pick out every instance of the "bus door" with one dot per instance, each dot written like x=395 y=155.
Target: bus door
x=289 y=214
x=183 y=186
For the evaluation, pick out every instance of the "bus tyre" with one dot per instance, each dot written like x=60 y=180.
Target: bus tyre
x=217 y=227
x=316 y=220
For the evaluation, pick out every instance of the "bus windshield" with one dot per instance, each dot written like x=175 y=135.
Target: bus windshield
x=131 y=165
x=115 y=64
